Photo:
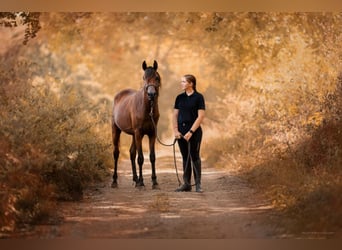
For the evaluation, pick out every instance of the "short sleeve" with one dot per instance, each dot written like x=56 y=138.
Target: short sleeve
x=201 y=102
x=176 y=106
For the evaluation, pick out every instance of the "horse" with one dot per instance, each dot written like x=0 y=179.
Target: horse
x=133 y=111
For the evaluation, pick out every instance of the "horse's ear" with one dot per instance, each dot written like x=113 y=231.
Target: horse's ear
x=144 y=65
x=155 y=65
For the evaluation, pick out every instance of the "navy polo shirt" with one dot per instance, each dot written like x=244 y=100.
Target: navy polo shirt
x=188 y=107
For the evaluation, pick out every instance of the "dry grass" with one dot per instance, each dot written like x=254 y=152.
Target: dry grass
x=300 y=175
x=52 y=144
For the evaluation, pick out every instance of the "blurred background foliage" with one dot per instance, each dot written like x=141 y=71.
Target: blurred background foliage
x=272 y=83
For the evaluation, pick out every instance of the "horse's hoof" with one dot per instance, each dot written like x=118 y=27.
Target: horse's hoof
x=114 y=185
x=139 y=185
x=155 y=186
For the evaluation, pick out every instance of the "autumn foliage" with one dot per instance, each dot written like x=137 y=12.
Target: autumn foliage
x=272 y=83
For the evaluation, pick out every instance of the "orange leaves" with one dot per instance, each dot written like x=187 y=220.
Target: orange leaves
x=46 y=127
x=315 y=119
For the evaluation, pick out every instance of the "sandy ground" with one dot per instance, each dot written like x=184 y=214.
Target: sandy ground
x=227 y=209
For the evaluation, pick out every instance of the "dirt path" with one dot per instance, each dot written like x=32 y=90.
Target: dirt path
x=228 y=208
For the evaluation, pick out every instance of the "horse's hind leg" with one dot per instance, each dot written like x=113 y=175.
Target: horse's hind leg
x=152 y=140
x=116 y=152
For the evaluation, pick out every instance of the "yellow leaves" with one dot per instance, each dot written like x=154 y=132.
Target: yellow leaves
x=293 y=110
x=315 y=119
x=47 y=127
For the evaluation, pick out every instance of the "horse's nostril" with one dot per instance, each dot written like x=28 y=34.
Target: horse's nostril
x=151 y=96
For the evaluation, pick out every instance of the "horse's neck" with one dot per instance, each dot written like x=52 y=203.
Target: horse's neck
x=154 y=106
x=155 y=109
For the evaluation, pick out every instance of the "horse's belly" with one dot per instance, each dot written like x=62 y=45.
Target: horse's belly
x=126 y=110
x=123 y=121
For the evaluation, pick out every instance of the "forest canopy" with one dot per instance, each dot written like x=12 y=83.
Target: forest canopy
x=272 y=83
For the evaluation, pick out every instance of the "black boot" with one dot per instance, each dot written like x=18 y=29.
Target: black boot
x=197 y=175
x=184 y=188
x=198 y=188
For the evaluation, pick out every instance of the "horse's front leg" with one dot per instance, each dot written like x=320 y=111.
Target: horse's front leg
x=138 y=143
x=152 y=141
x=116 y=152
x=133 y=154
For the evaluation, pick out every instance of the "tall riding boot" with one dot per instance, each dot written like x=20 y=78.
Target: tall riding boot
x=197 y=175
x=186 y=187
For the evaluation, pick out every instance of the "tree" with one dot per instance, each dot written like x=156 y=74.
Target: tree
x=29 y=19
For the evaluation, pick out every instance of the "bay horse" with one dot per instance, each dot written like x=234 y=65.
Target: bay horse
x=133 y=111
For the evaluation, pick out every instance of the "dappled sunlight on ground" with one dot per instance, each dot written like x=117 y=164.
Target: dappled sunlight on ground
x=227 y=208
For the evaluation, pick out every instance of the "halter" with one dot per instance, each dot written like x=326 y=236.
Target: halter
x=154 y=82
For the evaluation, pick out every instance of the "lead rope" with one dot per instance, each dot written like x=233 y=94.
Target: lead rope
x=165 y=144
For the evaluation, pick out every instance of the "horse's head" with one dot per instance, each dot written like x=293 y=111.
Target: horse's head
x=152 y=80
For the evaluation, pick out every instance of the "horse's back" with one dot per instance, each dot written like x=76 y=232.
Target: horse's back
x=123 y=95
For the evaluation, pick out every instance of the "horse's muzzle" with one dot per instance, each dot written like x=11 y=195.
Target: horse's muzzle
x=151 y=96
x=151 y=93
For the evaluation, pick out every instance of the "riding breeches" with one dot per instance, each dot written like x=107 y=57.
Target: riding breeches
x=191 y=153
